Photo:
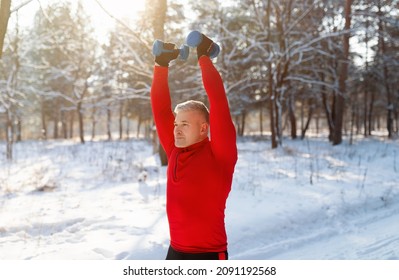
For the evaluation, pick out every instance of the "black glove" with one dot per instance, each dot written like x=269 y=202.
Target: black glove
x=165 y=57
x=205 y=47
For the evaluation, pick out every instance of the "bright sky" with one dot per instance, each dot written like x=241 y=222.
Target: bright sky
x=121 y=9
x=118 y=8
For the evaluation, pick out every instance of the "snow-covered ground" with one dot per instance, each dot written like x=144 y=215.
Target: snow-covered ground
x=106 y=200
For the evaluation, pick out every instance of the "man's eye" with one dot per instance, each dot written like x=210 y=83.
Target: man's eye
x=183 y=124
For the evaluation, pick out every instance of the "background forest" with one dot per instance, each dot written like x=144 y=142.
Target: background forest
x=329 y=67
x=80 y=176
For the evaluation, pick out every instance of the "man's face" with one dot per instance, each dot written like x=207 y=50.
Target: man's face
x=190 y=128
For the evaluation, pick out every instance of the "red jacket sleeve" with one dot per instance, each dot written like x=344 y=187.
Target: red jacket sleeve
x=222 y=130
x=162 y=108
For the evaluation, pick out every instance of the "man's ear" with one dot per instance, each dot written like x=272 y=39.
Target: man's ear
x=204 y=128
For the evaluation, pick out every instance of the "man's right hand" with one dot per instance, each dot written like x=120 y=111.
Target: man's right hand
x=165 y=57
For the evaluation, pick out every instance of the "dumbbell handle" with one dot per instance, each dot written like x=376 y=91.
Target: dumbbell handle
x=158 y=49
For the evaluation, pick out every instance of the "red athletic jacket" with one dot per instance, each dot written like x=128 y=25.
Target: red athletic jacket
x=199 y=177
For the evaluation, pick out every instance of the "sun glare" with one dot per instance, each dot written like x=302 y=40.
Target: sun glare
x=122 y=8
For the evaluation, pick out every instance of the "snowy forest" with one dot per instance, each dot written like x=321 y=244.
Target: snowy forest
x=313 y=92
x=288 y=67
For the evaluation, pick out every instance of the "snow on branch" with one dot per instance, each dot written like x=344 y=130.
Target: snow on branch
x=20 y=6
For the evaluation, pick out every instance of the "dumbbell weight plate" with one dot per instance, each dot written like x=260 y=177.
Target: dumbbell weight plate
x=157 y=47
x=184 y=51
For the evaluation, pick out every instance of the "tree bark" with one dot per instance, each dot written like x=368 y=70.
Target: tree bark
x=382 y=50
x=71 y=122
x=19 y=129
x=310 y=114
x=81 y=124
x=139 y=121
x=9 y=135
x=261 y=120
x=120 y=120
x=43 y=119
x=56 y=117
x=272 y=98
x=370 y=113
x=109 y=119
x=339 y=104
x=64 y=127
x=292 y=116
x=5 y=6
x=243 y=117
x=159 y=16
x=93 y=123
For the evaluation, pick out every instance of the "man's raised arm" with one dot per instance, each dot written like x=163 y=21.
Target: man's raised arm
x=161 y=107
x=223 y=134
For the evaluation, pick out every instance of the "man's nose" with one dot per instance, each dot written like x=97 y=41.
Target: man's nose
x=177 y=130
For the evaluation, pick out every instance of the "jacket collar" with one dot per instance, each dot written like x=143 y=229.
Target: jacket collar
x=194 y=146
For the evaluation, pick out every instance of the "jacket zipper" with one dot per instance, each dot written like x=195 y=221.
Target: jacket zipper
x=175 y=170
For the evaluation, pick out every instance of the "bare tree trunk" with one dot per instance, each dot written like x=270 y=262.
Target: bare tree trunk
x=365 y=110
x=366 y=83
x=343 y=75
x=9 y=135
x=12 y=82
x=291 y=110
x=272 y=110
x=93 y=122
x=281 y=67
x=358 y=119
x=43 y=120
x=19 y=129
x=310 y=114
x=243 y=117
x=71 y=122
x=279 y=118
x=238 y=123
x=120 y=119
x=353 y=116
x=127 y=132
x=317 y=121
x=159 y=17
x=148 y=129
x=64 y=127
x=79 y=110
x=370 y=113
x=272 y=99
x=81 y=124
x=327 y=109
x=139 y=121
x=56 y=117
x=382 y=50
x=5 y=6
x=261 y=120
x=109 y=124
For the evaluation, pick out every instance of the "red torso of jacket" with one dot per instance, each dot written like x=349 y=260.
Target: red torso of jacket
x=199 y=177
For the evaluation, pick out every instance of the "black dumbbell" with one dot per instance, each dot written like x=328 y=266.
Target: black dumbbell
x=158 y=49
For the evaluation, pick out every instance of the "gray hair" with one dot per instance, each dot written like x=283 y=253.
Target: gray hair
x=193 y=105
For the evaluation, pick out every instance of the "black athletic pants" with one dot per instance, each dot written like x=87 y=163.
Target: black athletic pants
x=175 y=255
